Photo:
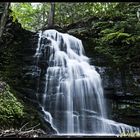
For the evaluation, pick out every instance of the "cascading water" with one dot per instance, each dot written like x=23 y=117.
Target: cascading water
x=72 y=96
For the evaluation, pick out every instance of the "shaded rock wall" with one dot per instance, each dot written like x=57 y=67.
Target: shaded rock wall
x=17 y=47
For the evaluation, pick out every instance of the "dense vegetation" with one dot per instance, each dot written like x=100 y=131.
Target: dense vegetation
x=11 y=110
x=34 y=16
x=119 y=38
x=14 y=113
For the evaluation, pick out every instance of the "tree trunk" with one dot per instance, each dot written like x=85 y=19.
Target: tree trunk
x=51 y=15
x=4 y=18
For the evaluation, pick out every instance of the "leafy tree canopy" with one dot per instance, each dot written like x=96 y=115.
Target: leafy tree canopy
x=34 y=16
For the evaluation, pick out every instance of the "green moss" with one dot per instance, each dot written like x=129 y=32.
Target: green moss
x=11 y=110
x=14 y=111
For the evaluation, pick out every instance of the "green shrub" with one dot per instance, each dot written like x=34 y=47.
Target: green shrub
x=11 y=111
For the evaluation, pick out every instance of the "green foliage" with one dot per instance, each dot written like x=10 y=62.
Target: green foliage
x=121 y=40
x=106 y=31
x=115 y=35
x=11 y=111
x=31 y=17
x=122 y=35
x=34 y=17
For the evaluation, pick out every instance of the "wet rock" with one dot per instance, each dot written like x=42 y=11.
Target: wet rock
x=28 y=93
x=29 y=51
x=28 y=58
x=31 y=75
x=2 y=86
x=119 y=93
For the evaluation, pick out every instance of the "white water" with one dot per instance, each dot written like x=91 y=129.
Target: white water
x=73 y=100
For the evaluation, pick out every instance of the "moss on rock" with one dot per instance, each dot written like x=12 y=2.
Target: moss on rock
x=11 y=110
x=14 y=112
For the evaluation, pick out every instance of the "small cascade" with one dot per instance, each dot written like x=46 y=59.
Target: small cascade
x=70 y=90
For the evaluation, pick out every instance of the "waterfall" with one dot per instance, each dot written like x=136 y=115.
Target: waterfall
x=70 y=90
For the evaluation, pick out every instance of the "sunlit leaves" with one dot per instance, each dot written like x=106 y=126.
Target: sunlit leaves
x=34 y=17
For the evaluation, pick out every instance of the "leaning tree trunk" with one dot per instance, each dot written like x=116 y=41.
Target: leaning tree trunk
x=51 y=15
x=4 y=18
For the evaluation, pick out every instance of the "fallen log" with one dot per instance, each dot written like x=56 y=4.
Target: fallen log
x=26 y=133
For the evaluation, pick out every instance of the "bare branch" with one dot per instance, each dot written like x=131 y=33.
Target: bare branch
x=23 y=126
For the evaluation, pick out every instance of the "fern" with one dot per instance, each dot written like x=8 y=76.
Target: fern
x=106 y=31
x=111 y=36
x=123 y=35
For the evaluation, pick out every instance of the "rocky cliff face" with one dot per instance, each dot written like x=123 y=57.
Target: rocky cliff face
x=121 y=90
x=17 y=47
